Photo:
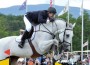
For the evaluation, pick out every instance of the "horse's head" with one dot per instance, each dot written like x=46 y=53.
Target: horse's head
x=65 y=37
x=68 y=35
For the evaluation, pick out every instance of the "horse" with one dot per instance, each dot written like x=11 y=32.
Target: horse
x=44 y=36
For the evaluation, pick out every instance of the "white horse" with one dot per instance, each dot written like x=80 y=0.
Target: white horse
x=42 y=40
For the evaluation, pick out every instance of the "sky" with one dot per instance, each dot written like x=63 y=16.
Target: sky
x=73 y=3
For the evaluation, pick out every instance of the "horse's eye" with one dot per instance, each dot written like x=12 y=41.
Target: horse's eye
x=67 y=35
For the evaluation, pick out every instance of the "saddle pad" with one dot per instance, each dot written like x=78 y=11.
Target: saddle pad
x=18 y=39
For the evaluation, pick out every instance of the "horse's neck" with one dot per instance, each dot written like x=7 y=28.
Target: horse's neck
x=43 y=32
x=45 y=27
x=52 y=27
x=60 y=24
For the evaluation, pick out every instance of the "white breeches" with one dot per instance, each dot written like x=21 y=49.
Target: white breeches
x=27 y=24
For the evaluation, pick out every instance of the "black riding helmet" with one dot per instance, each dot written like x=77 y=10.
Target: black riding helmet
x=52 y=10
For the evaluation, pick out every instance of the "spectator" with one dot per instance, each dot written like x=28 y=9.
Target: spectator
x=71 y=60
x=30 y=62
x=49 y=63
x=20 y=61
x=37 y=62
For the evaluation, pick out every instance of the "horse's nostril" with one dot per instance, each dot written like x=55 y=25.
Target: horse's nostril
x=67 y=35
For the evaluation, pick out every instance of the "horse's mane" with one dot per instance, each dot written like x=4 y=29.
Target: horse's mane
x=70 y=24
x=61 y=19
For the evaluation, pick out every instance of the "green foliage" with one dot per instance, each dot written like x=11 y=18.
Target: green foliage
x=10 y=25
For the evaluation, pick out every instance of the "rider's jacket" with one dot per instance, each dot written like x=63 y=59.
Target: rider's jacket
x=37 y=17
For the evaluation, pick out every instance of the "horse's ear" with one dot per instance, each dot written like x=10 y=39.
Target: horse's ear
x=74 y=25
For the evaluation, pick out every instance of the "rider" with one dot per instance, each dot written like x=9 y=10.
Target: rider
x=35 y=18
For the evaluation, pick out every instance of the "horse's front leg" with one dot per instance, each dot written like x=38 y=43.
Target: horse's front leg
x=45 y=45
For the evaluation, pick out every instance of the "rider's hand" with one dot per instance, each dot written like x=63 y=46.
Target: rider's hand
x=52 y=19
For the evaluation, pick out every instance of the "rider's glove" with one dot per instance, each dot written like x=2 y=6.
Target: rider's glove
x=52 y=19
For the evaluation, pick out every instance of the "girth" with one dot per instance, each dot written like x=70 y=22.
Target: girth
x=35 y=53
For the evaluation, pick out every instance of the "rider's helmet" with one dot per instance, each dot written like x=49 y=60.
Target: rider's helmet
x=52 y=10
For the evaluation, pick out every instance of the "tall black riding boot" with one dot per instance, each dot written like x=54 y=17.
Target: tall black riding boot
x=24 y=37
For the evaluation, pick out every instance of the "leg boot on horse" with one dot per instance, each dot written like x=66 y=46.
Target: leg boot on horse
x=25 y=36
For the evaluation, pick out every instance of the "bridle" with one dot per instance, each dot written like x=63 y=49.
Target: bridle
x=64 y=37
x=62 y=44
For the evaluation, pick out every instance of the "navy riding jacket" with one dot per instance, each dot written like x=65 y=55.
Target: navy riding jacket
x=37 y=17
